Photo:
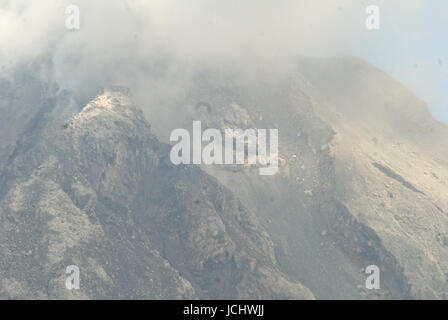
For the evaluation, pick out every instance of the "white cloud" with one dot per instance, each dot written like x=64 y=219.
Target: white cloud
x=120 y=41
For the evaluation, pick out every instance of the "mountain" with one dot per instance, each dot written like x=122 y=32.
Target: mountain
x=362 y=181
x=89 y=188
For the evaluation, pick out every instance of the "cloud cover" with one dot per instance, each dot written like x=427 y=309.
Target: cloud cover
x=152 y=45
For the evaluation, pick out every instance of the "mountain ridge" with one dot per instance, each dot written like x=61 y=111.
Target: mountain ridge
x=85 y=195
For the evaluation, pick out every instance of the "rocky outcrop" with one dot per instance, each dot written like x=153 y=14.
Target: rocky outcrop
x=97 y=190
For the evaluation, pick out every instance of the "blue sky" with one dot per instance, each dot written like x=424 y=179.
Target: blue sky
x=414 y=50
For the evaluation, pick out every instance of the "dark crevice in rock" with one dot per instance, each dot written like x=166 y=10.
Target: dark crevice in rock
x=391 y=174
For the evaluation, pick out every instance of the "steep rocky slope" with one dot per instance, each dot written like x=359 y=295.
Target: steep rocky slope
x=391 y=159
x=95 y=188
x=363 y=176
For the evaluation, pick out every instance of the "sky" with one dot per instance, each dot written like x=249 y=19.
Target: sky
x=120 y=40
x=414 y=51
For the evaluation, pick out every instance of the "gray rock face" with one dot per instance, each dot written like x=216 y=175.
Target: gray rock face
x=97 y=190
x=362 y=178
x=362 y=181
